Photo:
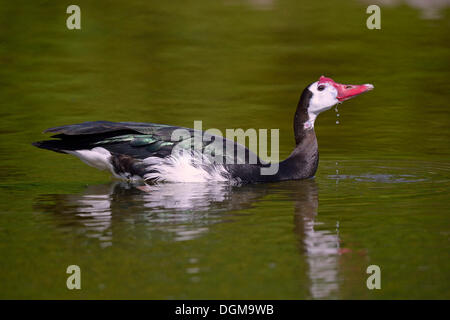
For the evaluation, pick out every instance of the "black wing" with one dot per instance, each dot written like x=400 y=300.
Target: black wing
x=142 y=140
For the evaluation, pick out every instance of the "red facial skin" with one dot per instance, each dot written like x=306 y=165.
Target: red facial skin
x=346 y=91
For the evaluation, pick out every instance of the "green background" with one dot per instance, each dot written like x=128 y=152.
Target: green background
x=380 y=195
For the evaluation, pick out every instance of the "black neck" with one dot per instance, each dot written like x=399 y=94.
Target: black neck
x=303 y=161
x=301 y=116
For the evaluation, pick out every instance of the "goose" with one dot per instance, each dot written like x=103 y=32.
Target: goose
x=154 y=153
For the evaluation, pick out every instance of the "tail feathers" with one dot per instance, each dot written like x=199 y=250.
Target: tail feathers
x=53 y=145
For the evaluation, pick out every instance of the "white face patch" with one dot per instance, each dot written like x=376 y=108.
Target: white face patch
x=324 y=96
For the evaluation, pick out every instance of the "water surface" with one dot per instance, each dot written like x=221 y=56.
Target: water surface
x=380 y=195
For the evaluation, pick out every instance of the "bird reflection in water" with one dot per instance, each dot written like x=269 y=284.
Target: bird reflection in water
x=186 y=211
x=321 y=247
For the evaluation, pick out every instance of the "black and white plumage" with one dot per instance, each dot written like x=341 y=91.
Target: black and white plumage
x=154 y=152
x=145 y=151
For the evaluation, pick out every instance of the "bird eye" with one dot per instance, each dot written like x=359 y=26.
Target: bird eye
x=320 y=88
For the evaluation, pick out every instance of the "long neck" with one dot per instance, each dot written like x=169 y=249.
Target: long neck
x=302 y=121
x=303 y=161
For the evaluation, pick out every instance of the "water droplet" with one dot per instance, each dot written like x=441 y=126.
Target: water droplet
x=337 y=121
x=337 y=115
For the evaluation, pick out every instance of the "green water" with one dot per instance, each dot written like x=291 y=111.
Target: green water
x=380 y=195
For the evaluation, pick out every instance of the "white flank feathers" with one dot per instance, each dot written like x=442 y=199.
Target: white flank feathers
x=185 y=167
x=182 y=167
x=97 y=157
